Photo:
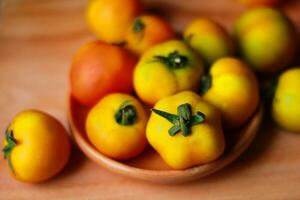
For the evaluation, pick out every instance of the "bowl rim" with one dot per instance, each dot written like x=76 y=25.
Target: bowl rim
x=169 y=175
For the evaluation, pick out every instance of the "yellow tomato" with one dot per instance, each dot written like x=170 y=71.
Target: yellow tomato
x=286 y=102
x=232 y=87
x=36 y=146
x=166 y=69
x=110 y=19
x=209 y=39
x=116 y=126
x=185 y=130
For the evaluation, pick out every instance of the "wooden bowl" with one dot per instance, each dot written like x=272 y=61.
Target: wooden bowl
x=149 y=166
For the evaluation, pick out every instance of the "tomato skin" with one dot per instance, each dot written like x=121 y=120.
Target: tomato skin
x=109 y=19
x=99 y=69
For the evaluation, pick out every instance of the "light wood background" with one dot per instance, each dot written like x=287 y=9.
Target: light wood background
x=37 y=40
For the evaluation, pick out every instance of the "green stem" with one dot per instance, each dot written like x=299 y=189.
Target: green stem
x=126 y=114
x=138 y=25
x=138 y=28
x=170 y=117
x=173 y=60
x=8 y=148
x=183 y=121
x=206 y=83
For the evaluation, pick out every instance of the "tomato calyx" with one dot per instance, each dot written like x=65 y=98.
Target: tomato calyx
x=174 y=60
x=138 y=25
x=126 y=115
x=183 y=121
x=11 y=143
x=205 y=84
x=138 y=28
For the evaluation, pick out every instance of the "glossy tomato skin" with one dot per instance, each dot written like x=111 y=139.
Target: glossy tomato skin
x=99 y=69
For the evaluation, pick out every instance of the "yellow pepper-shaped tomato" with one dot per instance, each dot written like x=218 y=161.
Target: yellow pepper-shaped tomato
x=286 y=102
x=185 y=130
x=232 y=87
x=36 y=146
x=116 y=126
x=166 y=69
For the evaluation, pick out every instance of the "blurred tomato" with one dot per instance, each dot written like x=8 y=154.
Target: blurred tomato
x=99 y=69
x=109 y=19
x=147 y=31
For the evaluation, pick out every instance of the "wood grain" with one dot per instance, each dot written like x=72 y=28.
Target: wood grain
x=37 y=40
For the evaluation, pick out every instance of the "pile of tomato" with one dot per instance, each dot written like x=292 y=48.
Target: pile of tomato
x=195 y=85
x=146 y=84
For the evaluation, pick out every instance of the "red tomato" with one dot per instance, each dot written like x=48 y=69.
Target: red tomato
x=99 y=69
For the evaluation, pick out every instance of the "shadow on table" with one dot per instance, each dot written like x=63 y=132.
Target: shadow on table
x=76 y=160
x=263 y=141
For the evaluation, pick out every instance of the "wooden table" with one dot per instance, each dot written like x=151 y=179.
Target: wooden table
x=37 y=40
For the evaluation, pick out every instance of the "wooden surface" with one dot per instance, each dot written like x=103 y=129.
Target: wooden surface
x=37 y=40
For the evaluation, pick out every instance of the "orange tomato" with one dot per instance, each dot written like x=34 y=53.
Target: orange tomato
x=116 y=126
x=99 y=69
x=109 y=19
x=146 y=31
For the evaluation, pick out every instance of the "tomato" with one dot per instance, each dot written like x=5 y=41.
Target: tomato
x=147 y=31
x=110 y=19
x=166 y=69
x=36 y=146
x=267 y=39
x=116 y=126
x=286 y=102
x=185 y=130
x=99 y=69
x=209 y=39
x=232 y=87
